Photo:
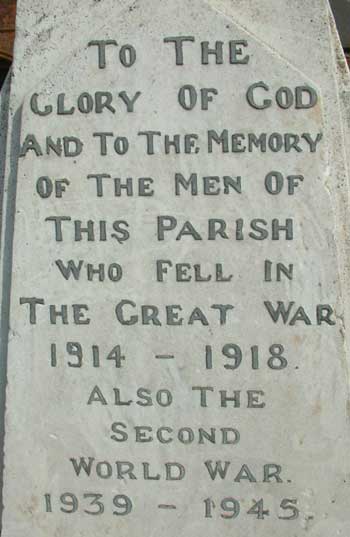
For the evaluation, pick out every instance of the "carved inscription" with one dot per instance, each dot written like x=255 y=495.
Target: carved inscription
x=169 y=310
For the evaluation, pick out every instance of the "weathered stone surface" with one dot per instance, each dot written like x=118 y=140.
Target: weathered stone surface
x=151 y=378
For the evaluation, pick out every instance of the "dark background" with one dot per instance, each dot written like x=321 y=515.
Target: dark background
x=341 y=9
x=7 y=34
x=4 y=66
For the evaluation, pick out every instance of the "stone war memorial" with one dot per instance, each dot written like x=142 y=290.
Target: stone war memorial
x=175 y=271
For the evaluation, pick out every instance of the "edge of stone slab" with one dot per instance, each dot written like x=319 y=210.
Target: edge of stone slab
x=343 y=72
x=9 y=150
x=342 y=80
x=4 y=125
